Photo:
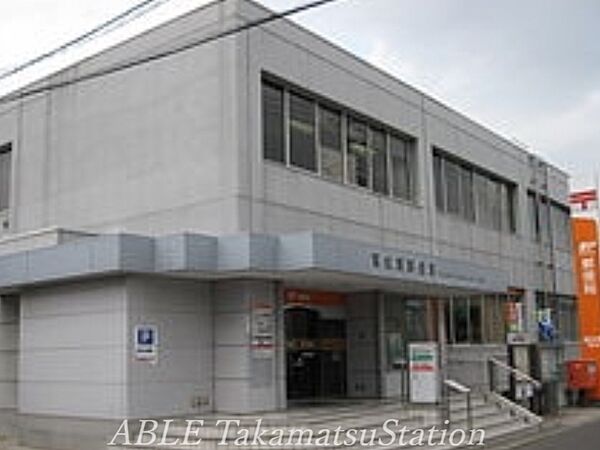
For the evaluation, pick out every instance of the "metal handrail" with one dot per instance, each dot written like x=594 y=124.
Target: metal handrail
x=461 y=389
x=518 y=374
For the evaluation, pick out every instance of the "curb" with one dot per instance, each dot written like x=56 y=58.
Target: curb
x=550 y=428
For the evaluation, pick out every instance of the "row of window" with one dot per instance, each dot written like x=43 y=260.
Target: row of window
x=302 y=132
x=472 y=194
x=5 y=169
x=549 y=221
x=478 y=319
x=563 y=314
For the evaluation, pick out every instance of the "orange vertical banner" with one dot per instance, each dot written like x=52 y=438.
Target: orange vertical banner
x=585 y=241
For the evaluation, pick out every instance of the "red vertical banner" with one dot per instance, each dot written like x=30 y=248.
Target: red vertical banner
x=585 y=241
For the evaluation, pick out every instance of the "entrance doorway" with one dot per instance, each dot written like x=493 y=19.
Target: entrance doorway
x=315 y=333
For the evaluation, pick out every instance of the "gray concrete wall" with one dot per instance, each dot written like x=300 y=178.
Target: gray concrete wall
x=177 y=146
x=147 y=150
x=467 y=364
x=362 y=340
x=9 y=355
x=73 y=356
x=180 y=382
x=246 y=381
x=287 y=199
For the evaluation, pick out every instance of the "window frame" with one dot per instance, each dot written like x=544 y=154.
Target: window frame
x=7 y=149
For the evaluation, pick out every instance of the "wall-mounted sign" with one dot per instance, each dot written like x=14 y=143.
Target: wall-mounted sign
x=262 y=330
x=146 y=343
x=514 y=317
x=587 y=268
x=424 y=372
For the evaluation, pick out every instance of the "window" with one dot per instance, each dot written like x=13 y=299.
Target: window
x=330 y=134
x=561 y=226
x=301 y=130
x=476 y=319
x=5 y=176
x=359 y=154
x=403 y=167
x=452 y=187
x=534 y=219
x=380 y=166
x=493 y=197
x=438 y=173
x=472 y=194
x=467 y=209
x=273 y=135
x=302 y=133
x=460 y=316
x=482 y=205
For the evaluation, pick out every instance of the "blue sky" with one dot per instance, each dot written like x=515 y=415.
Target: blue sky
x=529 y=69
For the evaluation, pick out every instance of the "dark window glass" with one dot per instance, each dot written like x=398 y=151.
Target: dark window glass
x=302 y=133
x=330 y=132
x=481 y=201
x=467 y=208
x=452 y=177
x=5 y=175
x=475 y=320
x=416 y=320
x=401 y=155
x=380 y=177
x=494 y=197
x=439 y=183
x=460 y=311
x=273 y=135
x=359 y=154
x=510 y=209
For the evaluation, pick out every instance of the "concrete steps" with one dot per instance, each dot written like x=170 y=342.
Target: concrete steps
x=497 y=417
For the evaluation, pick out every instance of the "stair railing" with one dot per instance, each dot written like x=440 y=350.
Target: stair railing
x=453 y=385
x=515 y=375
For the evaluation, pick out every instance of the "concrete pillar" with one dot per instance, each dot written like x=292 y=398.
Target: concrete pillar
x=247 y=372
x=9 y=355
x=364 y=377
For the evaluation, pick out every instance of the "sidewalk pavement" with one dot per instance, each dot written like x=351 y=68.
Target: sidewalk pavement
x=567 y=419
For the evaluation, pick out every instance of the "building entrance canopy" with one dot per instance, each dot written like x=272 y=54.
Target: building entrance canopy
x=303 y=257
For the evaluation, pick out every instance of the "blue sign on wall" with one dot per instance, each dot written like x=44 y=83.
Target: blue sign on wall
x=146 y=343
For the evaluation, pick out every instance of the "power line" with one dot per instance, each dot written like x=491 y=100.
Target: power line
x=119 y=20
x=165 y=54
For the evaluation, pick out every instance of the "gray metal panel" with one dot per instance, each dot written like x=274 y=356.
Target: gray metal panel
x=183 y=252
x=240 y=253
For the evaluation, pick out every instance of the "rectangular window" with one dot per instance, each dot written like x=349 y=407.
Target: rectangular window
x=330 y=135
x=5 y=176
x=481 y=200
x=452 y=175
x=438 y=179
x=402 y=160
x=494 y=195
x=273 y=134
x=302 y=133
x=359 y=154
x=460 y=313
x=380 y=166
x=534 y=218
x=475 y=320
x=511 y=210
x=467 y=207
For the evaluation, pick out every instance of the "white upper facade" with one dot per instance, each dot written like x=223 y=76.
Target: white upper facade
x=177 y=145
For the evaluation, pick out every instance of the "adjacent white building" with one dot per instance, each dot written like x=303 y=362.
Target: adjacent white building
x=284 y=216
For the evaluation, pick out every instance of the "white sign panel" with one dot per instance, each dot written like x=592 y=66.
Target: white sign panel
x=146 y=343
x=263 y=330
x=424 y=372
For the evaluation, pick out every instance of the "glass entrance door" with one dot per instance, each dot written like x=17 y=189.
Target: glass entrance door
x=316 y=354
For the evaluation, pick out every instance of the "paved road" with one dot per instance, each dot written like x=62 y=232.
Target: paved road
x=583 y=437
